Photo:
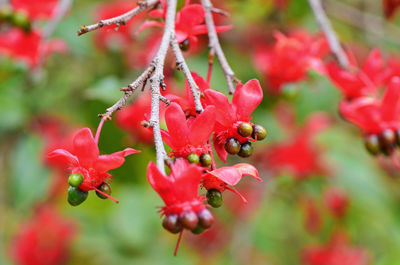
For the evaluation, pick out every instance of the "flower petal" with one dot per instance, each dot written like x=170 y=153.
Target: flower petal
x=176 y=124
x=190 y=16
x=85 y=148
x=247 y=169
x=246 y=98
x=126 y=152
x=390 y=106
x=161 y=184
x=108 y=162
x=202 y=126
x=187 y=180
x=223 y=107
x=148 y=24
x=229 y=175
x=373 y=66
x=219 y=148
x=63 y=158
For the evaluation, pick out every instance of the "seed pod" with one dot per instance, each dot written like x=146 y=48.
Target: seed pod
x=205 y=160
x=372 y=144
x=75 y=180
x=198 y=230
x=214 y=198
x=246 y=149
x=206 y=219
x=259 y=132
x=171 y=223
x=104 y=187
x=245 y=129
x=76 y=196
x=387 y=141
x=232 y=146
x=185 y=45
x=193 y=158
x=188 y=220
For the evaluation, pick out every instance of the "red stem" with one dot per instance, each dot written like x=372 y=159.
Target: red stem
x=105 y=194
x=210 y=67
x=178 y=242
x=96 y=138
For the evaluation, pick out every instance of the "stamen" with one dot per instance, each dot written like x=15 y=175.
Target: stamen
x=105 y=194
x=96 y=138
x=237 y=193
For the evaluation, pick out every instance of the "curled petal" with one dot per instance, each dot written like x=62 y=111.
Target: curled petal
x=126 y=152
x=202 y=126
x=229 y=175
x=246 y=98
x=85 y=147
x=63 y=158
x=247 y=170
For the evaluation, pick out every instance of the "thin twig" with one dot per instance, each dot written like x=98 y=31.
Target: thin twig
x=330 y=34
x=122 y=19
x=165 y=100
x=181 y=64
x=157 y=81
x=214 y=45
x=141 y=80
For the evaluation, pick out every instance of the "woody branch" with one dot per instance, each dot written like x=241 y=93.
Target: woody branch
x=330 y=34
x=215 y=46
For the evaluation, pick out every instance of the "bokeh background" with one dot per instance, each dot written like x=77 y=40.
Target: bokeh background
x=286 y=214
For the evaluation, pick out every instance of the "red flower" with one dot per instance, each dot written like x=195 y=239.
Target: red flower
x=187 y=102
x=85 y=159
x=298 y=155
x=337 y=201
x=108 y=37
x=290 y=58
x=312 y=215
x=131 y=117
x=224 y=177
x=189 y=23
x=337 y=252
x=229 y=115
x=374 y=115
x=43 y=240
x=37 y=9
x=28 y=47
x=364 y=82
x=179 y=190
x=188 y=136
x=390 y=7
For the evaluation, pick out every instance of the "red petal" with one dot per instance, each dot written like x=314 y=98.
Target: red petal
x=126 y=152
x=373 y=66
x=390 y=106
x=202 y=29
x=161 y=184
x=202 y=126
x=187 y=180
x=148 y=24
x=229 y=175
x=85 y=148
x=177 y=126
x=363 y=112
x=190 y=16
x=219 y=148
x=223 y=107
x=63 y=158
x=247 y=169
x=167 y=138
x=107 y=162
x=246 y=98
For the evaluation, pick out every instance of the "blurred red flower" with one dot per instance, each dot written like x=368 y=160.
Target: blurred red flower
x=86 y=160
x=28 y=47
x=38 y=9
x=312 y=215
x=179 y=190
x=290 y=58
x=229 y=115
x=337 y=201
x=337 y=252
x=43 y=240
x=188 y=136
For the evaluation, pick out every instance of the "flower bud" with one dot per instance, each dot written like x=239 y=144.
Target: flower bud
x=188 y=220
x=214 y=198
x=245 y=129
x=232 y=146
x=259 y=132
x=246 y=149
x=205 y=160
x=76 y=196
x=171 y=223
x=104 y=187
x=75 y=180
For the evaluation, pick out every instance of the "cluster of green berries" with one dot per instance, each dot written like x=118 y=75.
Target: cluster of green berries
x=204 y=159
x=195 y=222
x=245 y=129
x=76 y=196
x=17 y=19
x=384 y=143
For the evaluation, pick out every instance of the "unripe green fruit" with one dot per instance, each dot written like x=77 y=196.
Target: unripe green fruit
x=205 y=160
x=214 y=198
x=76 y=196
x=259 y=132
x=75 y=180
x=104 y=187
x=193 y=158
x=246 y=150
x=245 y=129
x=232 y=146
